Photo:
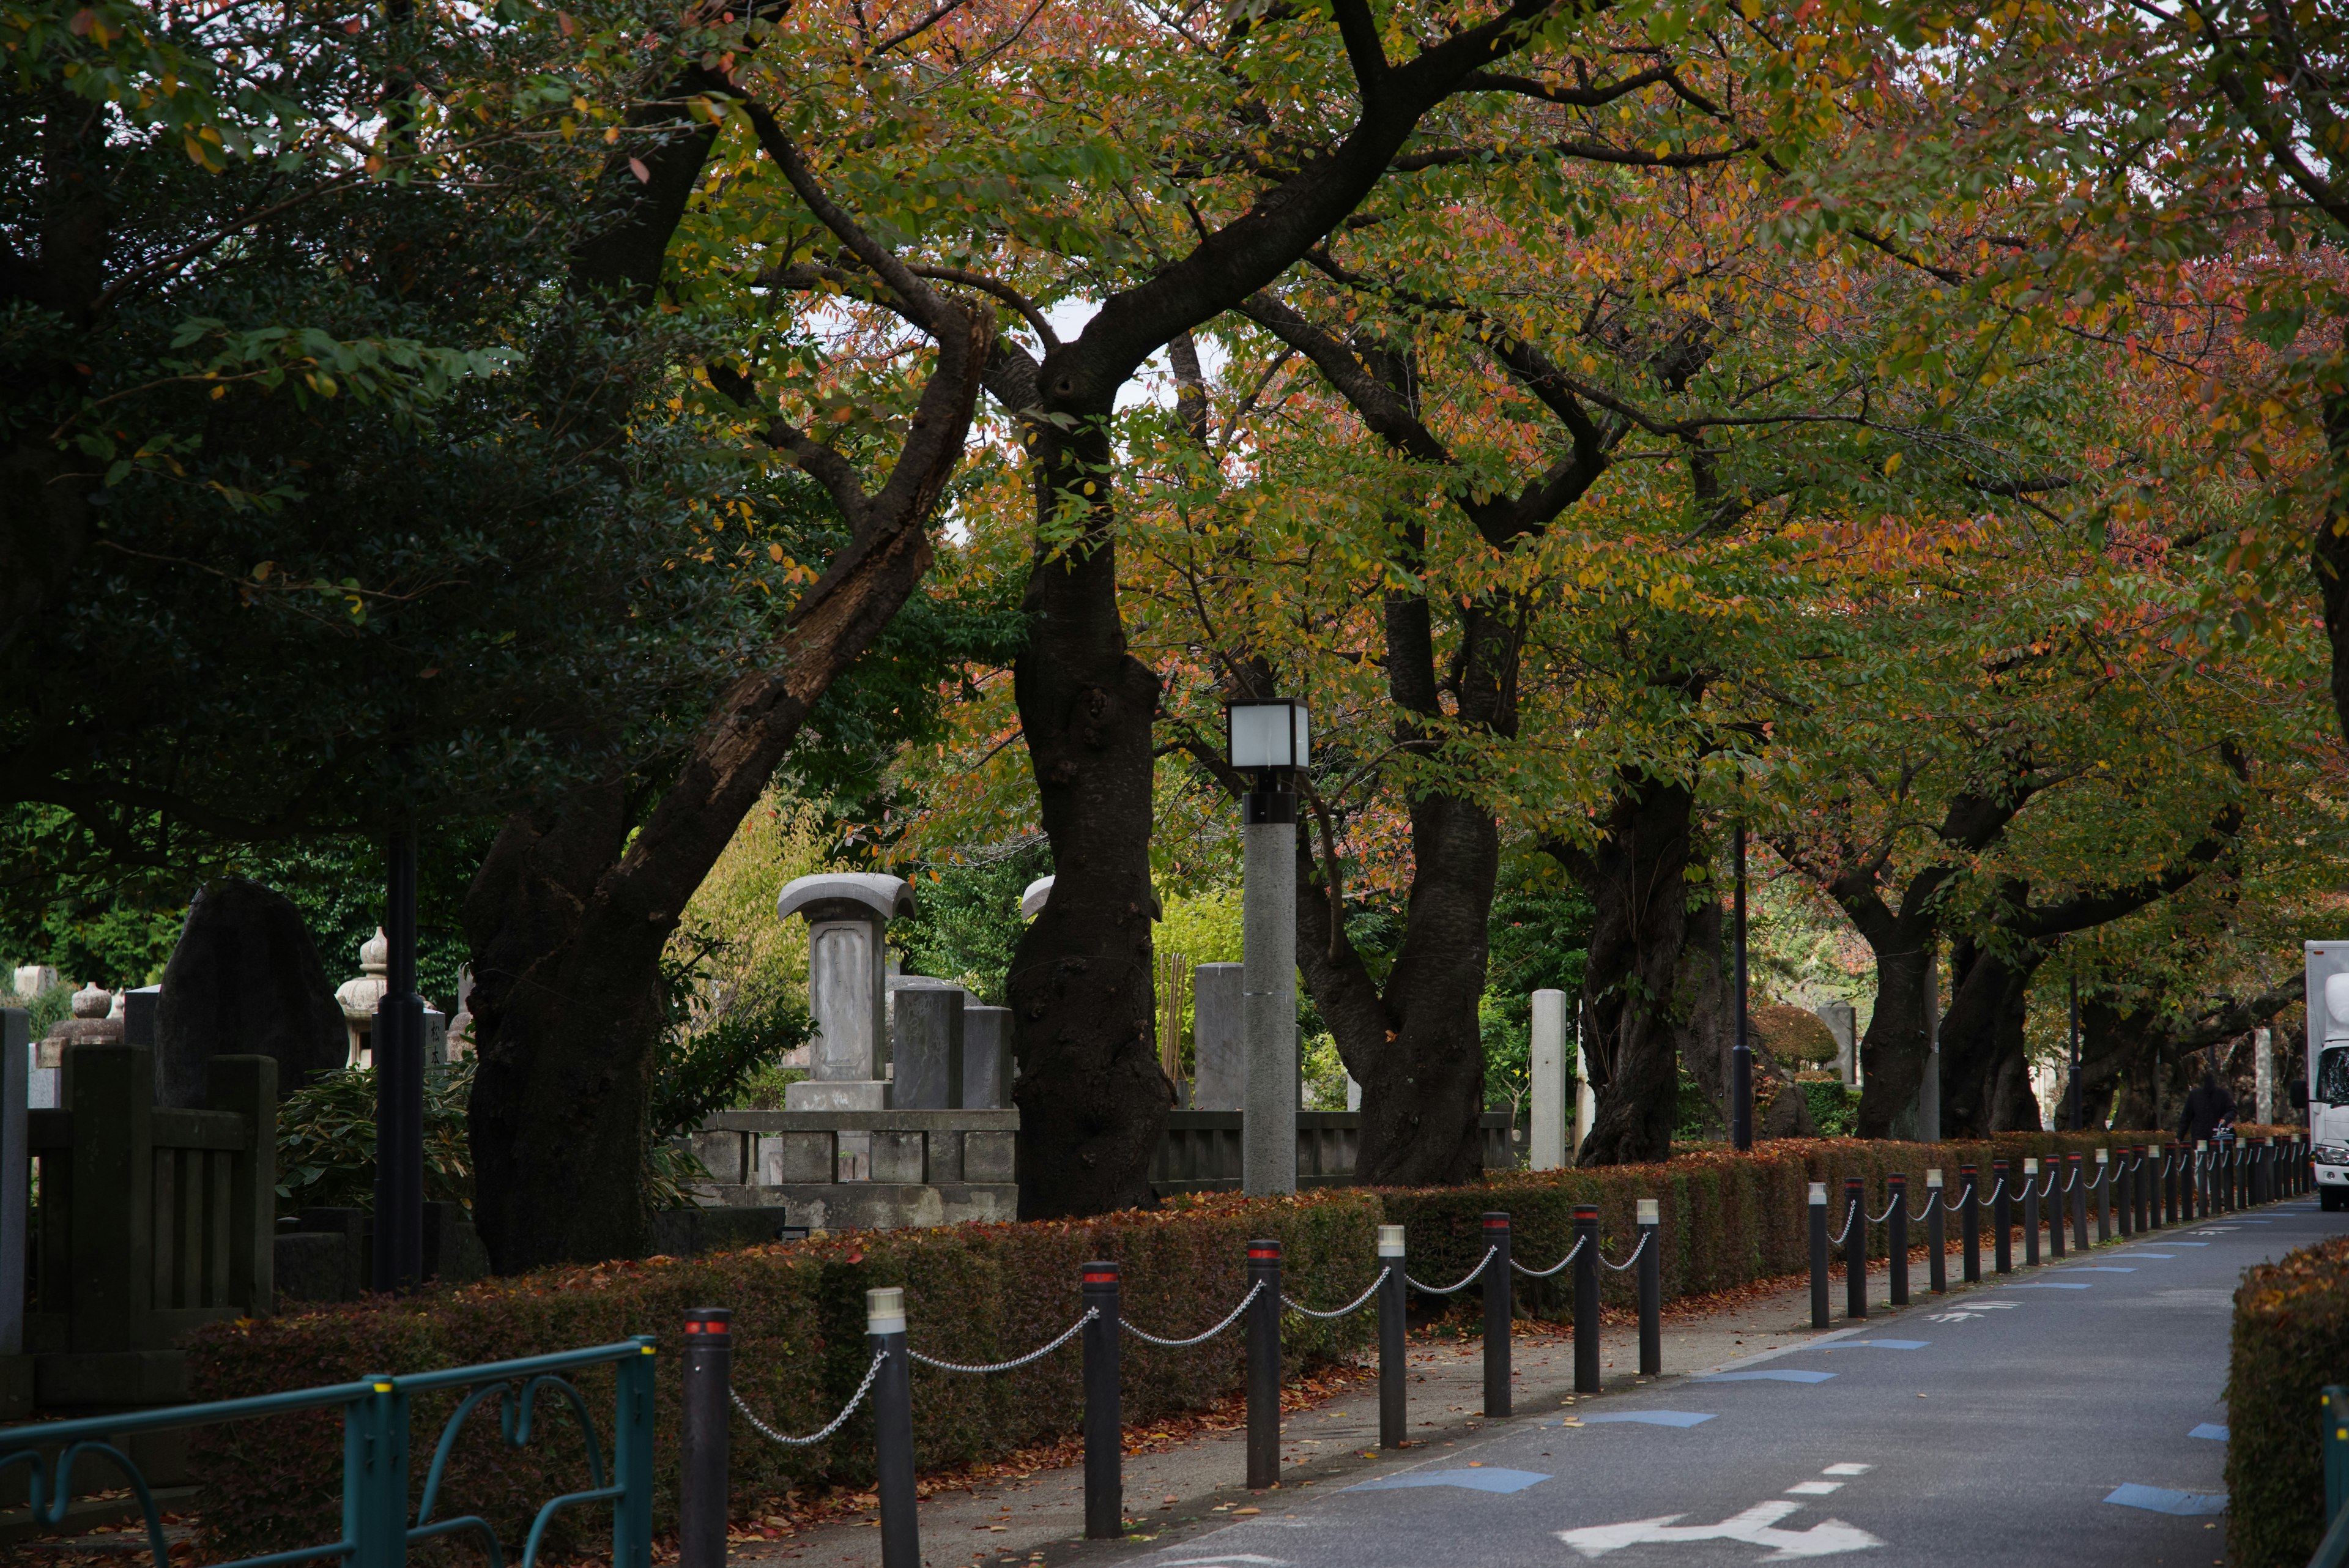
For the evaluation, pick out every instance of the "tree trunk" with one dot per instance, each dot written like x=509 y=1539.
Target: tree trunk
x=1898 y=1044
x=1093 y=1100
x=1985 y=1072
x=1706 y=1005
x=1636 y=879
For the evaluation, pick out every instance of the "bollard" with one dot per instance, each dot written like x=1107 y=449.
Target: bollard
x=2145 y=1154
x=1264 y=1365
x=2058 y=1197
x=1105 y=1422
x=1855 y=1248
x=1497 y=1291
x=2203 y=1178
x=1969 y=1223
x=1937 y=1239
x=1586 y=1299
x=2334 y=1439
x=2187 y=1194
x=2267 y=1170
x=1652 y=1290
x=2078 y=1179
x=2031 y=1213
x=2125 y=1208
x=2219 y=1176
x=1818 y=1254
x=1392 y=1414
x=2104 y=1185
x=1896 y=1241
x=2001 y=1217
x=707 y=1427
x=2169 y=1163
x=2157 y=1176
x=893 y=1428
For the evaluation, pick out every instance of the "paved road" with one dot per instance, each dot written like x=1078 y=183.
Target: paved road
x=2070 y=1415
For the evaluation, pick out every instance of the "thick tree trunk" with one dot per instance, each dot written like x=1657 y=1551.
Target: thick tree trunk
x=1093 y=1100
x=1636 y=878
x=1985 y=1070
x=2329 y=551
x=1706 y=1005
x=1899 y=1042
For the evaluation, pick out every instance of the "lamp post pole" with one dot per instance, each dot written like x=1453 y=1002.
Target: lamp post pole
x=396 y=1041
x=1269 y=739
x=1741 y=1055
x=2076 y=1054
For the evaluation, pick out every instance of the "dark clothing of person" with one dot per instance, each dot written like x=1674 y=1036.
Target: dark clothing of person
x=2206 y=1104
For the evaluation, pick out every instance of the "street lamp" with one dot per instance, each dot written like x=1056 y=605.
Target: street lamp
x=1271 y=739
x=1741 y=1055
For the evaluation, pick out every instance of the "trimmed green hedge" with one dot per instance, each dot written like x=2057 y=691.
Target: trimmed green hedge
x=974 y=1293
x=2291 y=1338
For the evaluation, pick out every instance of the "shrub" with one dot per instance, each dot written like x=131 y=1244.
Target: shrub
x=2291 y=1338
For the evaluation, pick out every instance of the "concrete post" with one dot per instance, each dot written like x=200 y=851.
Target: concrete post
x=1269 y=995
x=1219 y=1060
x=2263 y=1081
x=1586 y=1111
x=1546 y=1142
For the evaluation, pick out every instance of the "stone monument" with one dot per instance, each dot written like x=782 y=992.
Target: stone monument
x=359 y=996
x=1218 y=1057
x=986 y=1058
x=244 y=978
x=926 y=1044
x=1842 y=1023
x=31 y=980
x=847 y=914
x=1545 y=1141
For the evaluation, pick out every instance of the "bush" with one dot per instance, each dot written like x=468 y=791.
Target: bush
x=974 y=1293
x=2291 y=1338
x=325 y=1140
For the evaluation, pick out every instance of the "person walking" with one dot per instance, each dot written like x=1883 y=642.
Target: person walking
x=2208 y=1107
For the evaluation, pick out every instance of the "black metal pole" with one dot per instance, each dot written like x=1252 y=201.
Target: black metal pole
x=1651 y=1289
x=1264 y=1365
x=1855 y=1248
x=2125 y=1192
x=1496 y=1286
x=1819 y=1254
x=1105 y=1421
x=2076 y=1174
x=1393 y=1413
x=1969 y=1223
x=702 y=1495
x=893 y=1428
x=2031 y=1213
x=1896 y=1241
x=396 y=1043
x=2169 y=1183
x=1586 y=1299
x=2104 y=1196
x=1741 y=1053
x=1937 y=1235
x=2075 y=1096
x=2059 y=1200
x=2002 y=1217
x=2143 y=1186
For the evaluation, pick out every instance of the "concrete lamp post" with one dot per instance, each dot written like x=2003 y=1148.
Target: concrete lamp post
x=1270 y=740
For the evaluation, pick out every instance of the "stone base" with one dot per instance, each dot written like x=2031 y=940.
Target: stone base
x=836 y=1095
x=879 y=1205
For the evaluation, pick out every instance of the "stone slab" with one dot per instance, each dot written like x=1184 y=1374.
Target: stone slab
x=830 y=1098
x=881 y=1205
x=926 y=1045
x=1219 y=1065
x=792 y=1156
x=986 y=1058
x=990 y=1157
x=791 y=1120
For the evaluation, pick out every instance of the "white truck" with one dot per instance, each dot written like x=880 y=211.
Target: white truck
x=2327 y=1091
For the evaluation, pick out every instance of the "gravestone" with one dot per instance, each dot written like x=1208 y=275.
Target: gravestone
x=1218 y=1055
x=244 y=980
x=986 y=1058
x=926 y=1043
x=31 y=980
x=847 y=915
x=1545 y=1141
x=1842 y=1023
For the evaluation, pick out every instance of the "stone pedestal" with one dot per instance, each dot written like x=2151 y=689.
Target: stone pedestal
x=1219 y=1065
x=1842 y=1023
x=986 y=1058
x=927 y=1046
x=847 y=985
x=1546 y=1136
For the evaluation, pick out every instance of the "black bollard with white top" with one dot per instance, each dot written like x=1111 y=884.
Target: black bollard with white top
x=2104 y=1196
x=1393 y=1413
x=2031 y=1213
x=1937 y=1238
x=1498 y=1289
x=1652 y=1290
x=1895 y=1239
x=1104 y=1416
x=1855 y=1248
x=1819 y=1255
x=1264 y=1365
x=2001 y=1217
x=704 y=1457
x=893 y=1427
x=1586 y=1299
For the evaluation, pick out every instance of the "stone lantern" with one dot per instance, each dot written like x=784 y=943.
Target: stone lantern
x=91 y=1025
x=848 y=977
x=359 y=997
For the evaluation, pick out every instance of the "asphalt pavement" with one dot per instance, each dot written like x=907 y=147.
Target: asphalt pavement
x=2069 y=1414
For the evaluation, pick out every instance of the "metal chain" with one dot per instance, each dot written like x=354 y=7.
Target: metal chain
x=1431 y=1290
x=1850 y=1213
x=1341 y=1312
x=2074 y=1180
x=1573 y=1253
x=1890 y=1204
x=1255 y=1291
x=2050 y=1191
x=1626 y=1262
x=1037 y=1355
x=1992 y=1198
x=772 y=1436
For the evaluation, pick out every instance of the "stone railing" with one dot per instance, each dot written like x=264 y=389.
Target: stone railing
x=1200 y=1151
x=839 y=1169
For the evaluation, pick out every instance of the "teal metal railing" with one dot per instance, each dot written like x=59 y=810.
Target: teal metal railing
x=376 y=1529
x=2333 y=1437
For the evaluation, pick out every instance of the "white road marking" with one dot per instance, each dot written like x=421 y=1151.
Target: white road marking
x=1846 y=1469
x=1814 y=1488
x=1755 y=1526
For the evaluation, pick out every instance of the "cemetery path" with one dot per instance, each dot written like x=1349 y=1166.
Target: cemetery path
x=2069 y=1413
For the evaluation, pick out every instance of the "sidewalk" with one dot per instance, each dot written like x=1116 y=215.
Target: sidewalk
x=1025 y=1516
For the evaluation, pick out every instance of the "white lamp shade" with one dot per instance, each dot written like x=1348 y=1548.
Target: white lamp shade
x=1268 y=735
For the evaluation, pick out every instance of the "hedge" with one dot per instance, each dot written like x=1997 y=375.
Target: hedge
x=2291 y=1338
x=974 y=1293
